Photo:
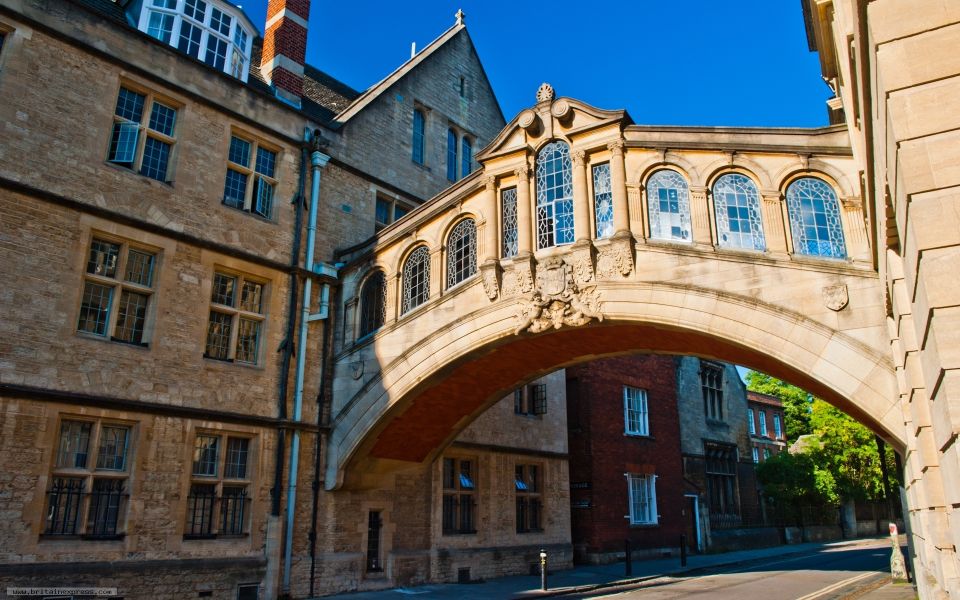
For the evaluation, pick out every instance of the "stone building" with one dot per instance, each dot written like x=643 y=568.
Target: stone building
x=161 y=369
x=765 y=425
x=625 y=465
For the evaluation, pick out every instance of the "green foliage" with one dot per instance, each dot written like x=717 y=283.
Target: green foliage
x=796 y=402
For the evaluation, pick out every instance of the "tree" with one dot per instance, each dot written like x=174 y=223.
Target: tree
x=796 y=402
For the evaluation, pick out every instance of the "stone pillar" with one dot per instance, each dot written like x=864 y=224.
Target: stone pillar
x=618 y=185
x=581 y=204
x=392 y=298
x=489 y=248
x=700 y=214
x=854 y=228
x=638 y=215
x=437 y=273
x=772 y=215
x=524 y=212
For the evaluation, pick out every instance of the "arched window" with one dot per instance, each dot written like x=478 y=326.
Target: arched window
x=419 y=122
x=603 y=200
x=461 y=252
x=737 y=206
x=373 y=303
x=554 y=196
x=451 y=155
x=668 y=201
x=815 y=219
x=416 y=279
x=466 y=156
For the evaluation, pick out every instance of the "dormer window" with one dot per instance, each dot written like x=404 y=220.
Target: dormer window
x=212 y=33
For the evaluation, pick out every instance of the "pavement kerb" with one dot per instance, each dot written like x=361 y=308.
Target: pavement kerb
x=633 y=581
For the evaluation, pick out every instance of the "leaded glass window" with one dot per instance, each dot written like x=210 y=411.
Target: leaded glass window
x=554 y=196
x=416 y=279
x=669 y=205
x=236 y=193
x=815 y=219
x=451 y=155
x=466 y=156
x=236 y=321
x=373 y=303
x=129 y=121
x=603 y=200
x=419 y=123
x=461 y=252
x=737 y=205
x=508 y=203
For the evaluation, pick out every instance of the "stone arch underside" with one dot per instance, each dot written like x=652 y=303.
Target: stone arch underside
x=426 y=395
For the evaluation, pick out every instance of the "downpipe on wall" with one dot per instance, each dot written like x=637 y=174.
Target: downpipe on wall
x=317 y=161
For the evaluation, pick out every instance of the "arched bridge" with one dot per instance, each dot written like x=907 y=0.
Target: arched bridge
x=583 y=235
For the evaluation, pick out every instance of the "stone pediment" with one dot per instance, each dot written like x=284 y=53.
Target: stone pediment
x=550 y=118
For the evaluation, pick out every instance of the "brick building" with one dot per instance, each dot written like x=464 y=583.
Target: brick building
x=161 y=177
x=625 y=467
x=765 y=423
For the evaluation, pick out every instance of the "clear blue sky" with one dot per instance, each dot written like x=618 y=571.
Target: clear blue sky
x=682 y=62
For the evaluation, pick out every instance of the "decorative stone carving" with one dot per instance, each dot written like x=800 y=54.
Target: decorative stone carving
x=527 y=119
x=488 y=275
x=518 y=280
x=545 y=93
x=560 y=109
x=557 y=300
x=835 y=297
x=615 y=260
x=616 y=147
x=578 y=157
x=581 y=260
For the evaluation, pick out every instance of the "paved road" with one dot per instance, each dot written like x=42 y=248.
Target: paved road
x=829 y=574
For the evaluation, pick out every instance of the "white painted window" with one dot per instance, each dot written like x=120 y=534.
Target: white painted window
x=750 y=422
x=763 y=423
x=756 y=454
x=777 y=429
x=642 y=491
x=635 y=411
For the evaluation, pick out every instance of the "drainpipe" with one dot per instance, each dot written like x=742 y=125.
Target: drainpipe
x=317 y=161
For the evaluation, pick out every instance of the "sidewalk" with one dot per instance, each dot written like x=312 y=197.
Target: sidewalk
x=598 y=577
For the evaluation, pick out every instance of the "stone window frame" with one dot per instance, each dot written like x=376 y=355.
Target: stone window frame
x=418 y=141
x=510 y=233
x=458 y=142
x=754 y=209
x=237 y=41
x=394 y=207
x=6 y=34
x=642 y=511
x=207 y=492
x=530 y=400
x=835 y=246
x=602 y=199
x=669 y=174
x=75 y=486
x=119 y=285
x=455 y=491
x=368 y=324
x=237 y=314
x=461 y=252
x=528 y=492
x=144 y=131
x=251 y=171
x=635 y=400
x=711 y=386
x=548 y=200
x=418 y=257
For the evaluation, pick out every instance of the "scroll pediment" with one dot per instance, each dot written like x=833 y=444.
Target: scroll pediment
x=549 y=118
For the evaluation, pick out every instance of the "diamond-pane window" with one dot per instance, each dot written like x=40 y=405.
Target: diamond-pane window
x=669 y=206
x=554 y=195
x=461 y=252
x=373 y=303
x=508 y=204
x=815 y=219
x=416 y=279
x=603 y=200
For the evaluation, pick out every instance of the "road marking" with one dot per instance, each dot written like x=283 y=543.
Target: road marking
x=838 y=585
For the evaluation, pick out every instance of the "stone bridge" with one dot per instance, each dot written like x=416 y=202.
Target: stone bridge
x=583 y=235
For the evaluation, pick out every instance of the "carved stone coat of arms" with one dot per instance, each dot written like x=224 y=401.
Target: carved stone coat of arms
x=557 y=300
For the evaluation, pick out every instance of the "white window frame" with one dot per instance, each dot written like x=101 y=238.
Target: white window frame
x=649 y=482
x=756 y=454
x=635 y=414
x=763 y=422
x=234 y=52
x=751 y=424
x=777 y=427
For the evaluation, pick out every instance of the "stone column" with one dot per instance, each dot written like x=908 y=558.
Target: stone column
x=392 y=298
x=638 y=213
x=618 y=185
x=854 y=228
x=773 y=219
x=489 y=249
x=524 y=212
x=581 y=204
x=700 y=214
x=438 y=274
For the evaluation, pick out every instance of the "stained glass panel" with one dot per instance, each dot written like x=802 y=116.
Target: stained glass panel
x=737 y=205
x=815 y=219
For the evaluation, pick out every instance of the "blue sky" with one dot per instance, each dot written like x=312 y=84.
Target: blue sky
x=683 y=62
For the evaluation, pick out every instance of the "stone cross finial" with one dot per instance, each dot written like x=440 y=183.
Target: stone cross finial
x=460 y=16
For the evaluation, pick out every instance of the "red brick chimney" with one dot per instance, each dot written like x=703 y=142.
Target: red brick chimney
x=285 y=47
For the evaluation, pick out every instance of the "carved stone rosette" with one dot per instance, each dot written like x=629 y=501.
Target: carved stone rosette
x=557 y=300
x=489 y=272
x=615 y=260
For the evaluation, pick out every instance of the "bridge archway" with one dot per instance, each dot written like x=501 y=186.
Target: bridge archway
x=423 y=397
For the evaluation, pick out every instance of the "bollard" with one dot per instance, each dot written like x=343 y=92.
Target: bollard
x=683 y=550
x=898 y=567
x=543 y=569
x=627 y=559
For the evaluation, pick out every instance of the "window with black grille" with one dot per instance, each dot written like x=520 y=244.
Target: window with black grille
x=459 y=496
x=218 y=504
